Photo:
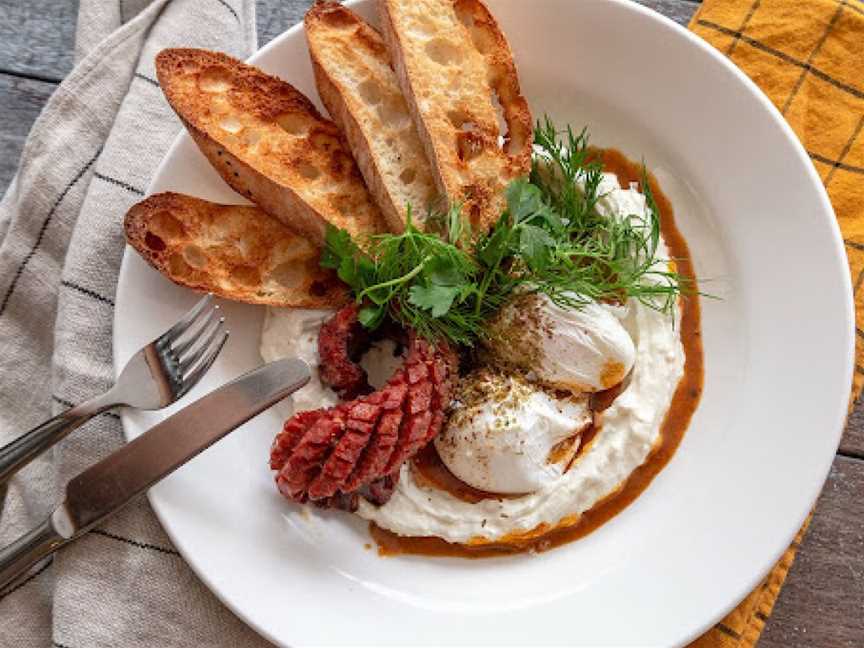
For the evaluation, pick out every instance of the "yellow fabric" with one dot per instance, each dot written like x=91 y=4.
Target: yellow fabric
x=808 y=57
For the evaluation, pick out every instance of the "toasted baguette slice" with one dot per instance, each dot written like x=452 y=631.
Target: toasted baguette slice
x=356 y=83
x=455 y=69
x=268 y=142
x=236 y=251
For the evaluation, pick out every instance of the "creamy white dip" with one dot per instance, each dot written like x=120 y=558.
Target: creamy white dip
x=293 y=333
x=630 y=427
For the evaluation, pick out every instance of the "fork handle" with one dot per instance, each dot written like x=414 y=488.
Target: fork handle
x=18 y=453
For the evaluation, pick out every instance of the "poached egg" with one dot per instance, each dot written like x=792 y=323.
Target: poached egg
x=506 y=435
x=584 y=349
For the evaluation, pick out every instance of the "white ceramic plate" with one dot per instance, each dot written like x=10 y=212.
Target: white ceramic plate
x=778 y=363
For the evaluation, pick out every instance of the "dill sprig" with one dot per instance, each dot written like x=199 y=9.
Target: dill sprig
x=597 y=257
x=551 y=238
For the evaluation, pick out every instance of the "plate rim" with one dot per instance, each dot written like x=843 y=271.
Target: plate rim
x=839 y=254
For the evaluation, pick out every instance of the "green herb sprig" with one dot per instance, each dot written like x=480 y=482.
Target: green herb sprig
x=417 y=278
x=550 y=239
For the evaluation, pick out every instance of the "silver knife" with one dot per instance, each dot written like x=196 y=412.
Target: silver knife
x=105 y=487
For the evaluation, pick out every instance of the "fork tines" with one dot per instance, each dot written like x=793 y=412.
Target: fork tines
x=196 y=340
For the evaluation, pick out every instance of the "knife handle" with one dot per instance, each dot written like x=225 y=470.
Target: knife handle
x=29 y=549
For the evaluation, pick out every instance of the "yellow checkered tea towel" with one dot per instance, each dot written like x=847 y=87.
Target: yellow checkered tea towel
x=808 y=57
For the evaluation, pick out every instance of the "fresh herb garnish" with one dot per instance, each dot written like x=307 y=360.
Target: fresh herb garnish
x=551 y=239
x=597 y=257
x=417 y=278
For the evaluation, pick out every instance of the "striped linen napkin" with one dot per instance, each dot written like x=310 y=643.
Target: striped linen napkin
x=808 y=57
x=89 y=156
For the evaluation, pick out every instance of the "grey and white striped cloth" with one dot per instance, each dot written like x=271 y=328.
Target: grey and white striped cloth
x=89 y=156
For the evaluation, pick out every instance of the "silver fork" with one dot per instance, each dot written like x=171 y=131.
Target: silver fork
x=156 y=376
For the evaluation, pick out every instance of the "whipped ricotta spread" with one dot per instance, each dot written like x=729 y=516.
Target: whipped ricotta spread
x=293 y=333
x=630 y=426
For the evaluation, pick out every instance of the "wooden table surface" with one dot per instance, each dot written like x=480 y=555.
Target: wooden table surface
x=822 y=604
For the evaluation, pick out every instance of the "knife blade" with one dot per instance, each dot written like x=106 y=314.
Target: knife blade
x=106 y=486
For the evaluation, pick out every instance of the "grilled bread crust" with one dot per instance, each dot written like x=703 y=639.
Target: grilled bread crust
x=456 y=71
x=268 y=142
x=361 y=92
x=235 y=251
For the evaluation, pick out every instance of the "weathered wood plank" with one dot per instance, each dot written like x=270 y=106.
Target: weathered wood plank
x=275 y=16
x=853 y=439
x=21 y=100
x=37 y=37
x=822 y=603
x=678 y=10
